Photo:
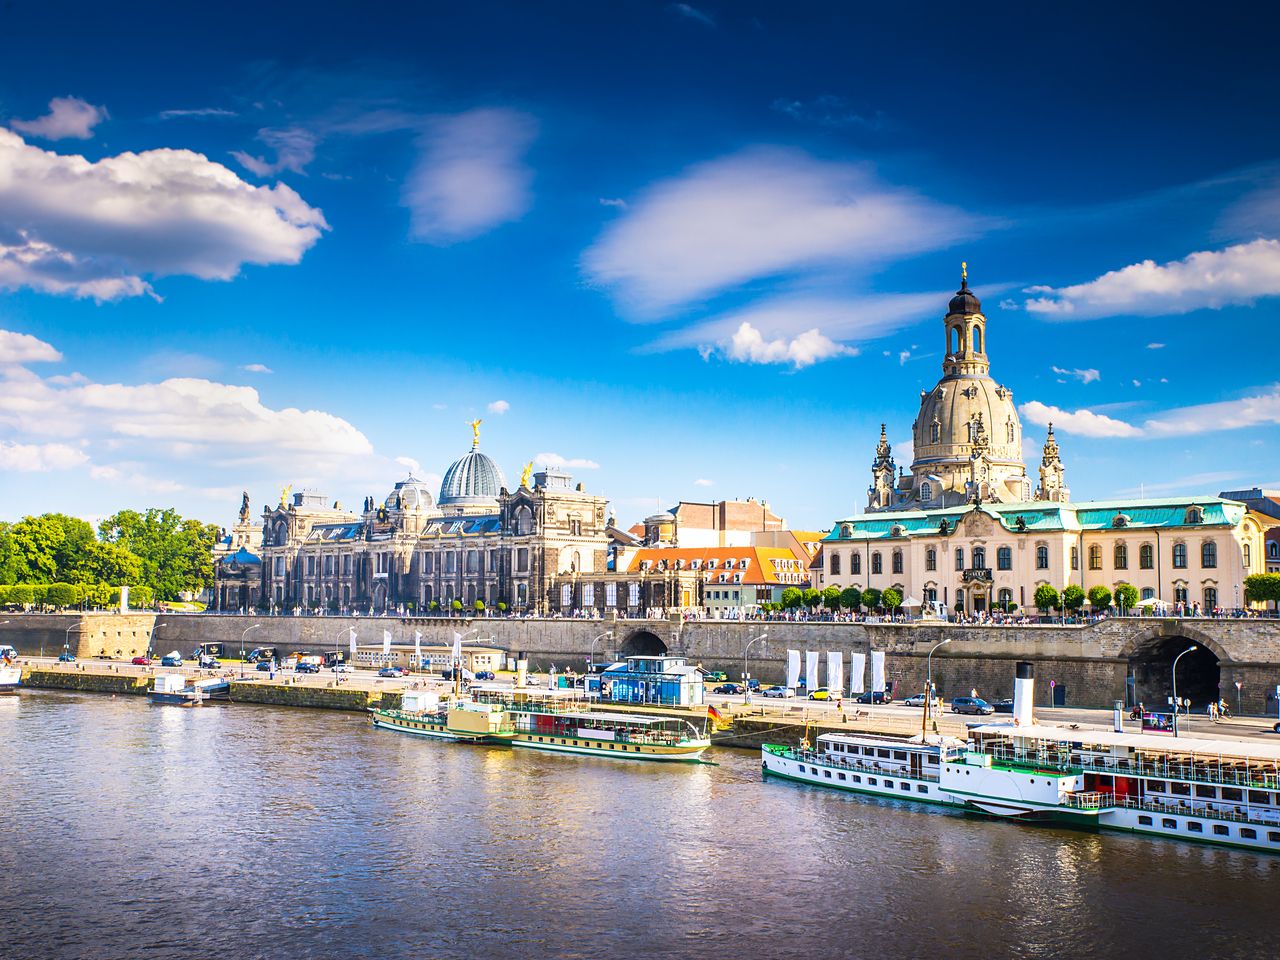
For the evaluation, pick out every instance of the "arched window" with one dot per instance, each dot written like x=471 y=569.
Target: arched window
x=926 y=491
x=969 y=425
x=897 y=561
x=931 y=559
x=1004 y=559
x=959 y=558
x=1095 y=557
x=953 y=340
x=1208 y=554
x=1009 y=432
x=1121 y=557
x=935 y=432
x=979 y=557
x=1075 y=558
x=1247 y=556
x=1273 y=549
x=1180 y=556
x=876 y=563
x=1005 y=597
x=1180 y=594
x=1195 y=515
x=846 y=531
x=1210 y=598
x=977 y=339
x=1148 y=593
x=834 y=565
x=1146 y=556
x=855 y=564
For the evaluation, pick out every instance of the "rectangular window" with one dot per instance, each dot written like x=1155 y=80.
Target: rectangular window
x=1260 y=797
x=1233 y=793
x=428 y=563
x=522 y=560
x=1075 y=558
x=959 y=558
x=610 y=594
x=1195 y=826
x=1207 y=792
x=1155 y=786
x=1248 y=833
x=1180 y=789
x=1169 y=823
x=1220 y=830
x=311 y=566
x=1144 y=821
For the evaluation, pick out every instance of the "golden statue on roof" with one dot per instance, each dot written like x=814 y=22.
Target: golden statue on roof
x=475 y=432
x=284 y=495
x=526 y=474
x=964 y=272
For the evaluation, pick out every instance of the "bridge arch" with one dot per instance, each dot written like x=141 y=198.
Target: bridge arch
x=643 y=643
x=1150 y=657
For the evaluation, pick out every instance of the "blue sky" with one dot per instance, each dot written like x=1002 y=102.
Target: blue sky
x=691 y=251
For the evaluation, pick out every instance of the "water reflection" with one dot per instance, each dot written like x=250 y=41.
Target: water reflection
x=251 y=832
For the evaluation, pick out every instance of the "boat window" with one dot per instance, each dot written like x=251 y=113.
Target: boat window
x=1169 y=823
x=1203 y=791
x=899 y=754
x=907 y=787
x=1181 y=789
x=888 y=784
x=1273 y=835
x=842 y=776
x=1156 y=786
x=1195 y=826
x=1144 y=821
x=1234 y=793
x=883 y=753
x=855 y=778
x=1259 y=796
x=871 y=780
x=921 y=788
x=1220 y=830
x=1248 y=833
x=827 y=774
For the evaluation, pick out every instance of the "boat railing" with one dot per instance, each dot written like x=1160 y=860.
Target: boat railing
x=1103 y=801
x=1207 y=772
x=858 y=766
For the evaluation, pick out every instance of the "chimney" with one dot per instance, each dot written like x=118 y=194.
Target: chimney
x=1024 y=693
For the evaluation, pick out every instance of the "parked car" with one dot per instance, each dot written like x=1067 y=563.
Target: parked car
x=209 y=663
x=1003 y=706
x=342 y=667
x=876 y=696
x=304 y=667
x=916 y=700
x=264 y=665
x=821 y=693
x=391 y=672
x=753 y=684
x=730 y=688
x=171 y=660
x=775 y=691
x=974 y=705
x=715 y=676
x=485 y=675
x=141 y=661
x=70 y=658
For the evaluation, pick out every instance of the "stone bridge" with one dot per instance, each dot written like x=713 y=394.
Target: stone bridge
x=1091 y=665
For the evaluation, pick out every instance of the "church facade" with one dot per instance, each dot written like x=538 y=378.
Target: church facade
x=965 y=531
x=413 y=551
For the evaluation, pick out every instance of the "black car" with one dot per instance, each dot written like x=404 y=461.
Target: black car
x=971 y=705
x=485 y=675
x=729 y=688
x=1003 y=706
x=264 y=665
x=304 y=667
x=874 y=696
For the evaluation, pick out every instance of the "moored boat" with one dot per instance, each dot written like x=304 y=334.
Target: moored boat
x=10 y=678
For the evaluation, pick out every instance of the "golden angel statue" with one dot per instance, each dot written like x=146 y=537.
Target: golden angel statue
x=475 y=432
x=526 y=474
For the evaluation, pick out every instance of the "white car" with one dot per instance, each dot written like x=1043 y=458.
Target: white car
x=343 y=668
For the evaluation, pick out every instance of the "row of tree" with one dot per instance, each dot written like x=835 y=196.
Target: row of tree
x=1262 y=588
x=832 y=598
x=1073 y=597
x=156 y=549
x=62 y=595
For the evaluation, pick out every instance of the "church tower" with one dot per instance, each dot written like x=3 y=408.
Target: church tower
x=880 y=493
x=1053 y=484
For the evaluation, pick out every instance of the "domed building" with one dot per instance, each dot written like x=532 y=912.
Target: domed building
x=964 y=532
x=472 y=484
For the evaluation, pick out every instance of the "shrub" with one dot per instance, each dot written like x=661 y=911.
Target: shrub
x=1099 y=597
x=851 y=598
x=1046 y=597
x=1073 y=597
x=871 y=598
x=891 y=598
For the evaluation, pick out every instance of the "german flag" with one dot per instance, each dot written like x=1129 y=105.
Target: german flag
x=718 y=719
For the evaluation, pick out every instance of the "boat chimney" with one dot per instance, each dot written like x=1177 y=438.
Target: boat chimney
x=1024 y=692
x=522 y=671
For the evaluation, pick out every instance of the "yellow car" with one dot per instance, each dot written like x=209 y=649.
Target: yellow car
x=822 y=693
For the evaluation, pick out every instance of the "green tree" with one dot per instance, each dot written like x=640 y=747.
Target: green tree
x=479 y=606
x=61 y=595
x=812 y=598
x=1126 y=596
x=871 y=598
x=21 y=595
x=1045 y=597
x=176 y=554
x=891 y=599
x=97 y=595
x=831 y=598
x=107 y=563
x=792 y=598
x=35 y=544
x=1262 y=588
x=1073 y=597
x=457 y=605
x=1099 y=597
x=851 y=598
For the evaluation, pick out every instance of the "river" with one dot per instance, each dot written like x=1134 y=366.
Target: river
x=242 y=831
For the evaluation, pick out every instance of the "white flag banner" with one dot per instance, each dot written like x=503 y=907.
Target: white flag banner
x=811 y=670
x=417 y=647
x=386 y=643
x=835 y=670
x=353 y=642
x=857 y=672
x=877 y=671
x=457 y=645
x=793 y=668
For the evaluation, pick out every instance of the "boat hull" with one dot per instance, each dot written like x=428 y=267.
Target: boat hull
x=680 y=753
x=890 y=786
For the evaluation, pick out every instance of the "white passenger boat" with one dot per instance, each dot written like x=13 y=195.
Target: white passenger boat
x=1215 y=791
x=10 y=678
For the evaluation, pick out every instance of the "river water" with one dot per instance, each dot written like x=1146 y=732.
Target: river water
x=243 y=831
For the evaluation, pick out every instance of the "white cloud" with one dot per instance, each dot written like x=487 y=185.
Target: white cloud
x=1084 y=376
x=257 y=368
x=1086 y=423
x=499 y=407
x=410 y=464
x=693 y=13
x=748 y=345
x=1155 y=346
x=613 y=202
x=199 y=112
x=555 y=460
x=701 y=482
x=1211 y=279
x=1262 y=409
x=68 y=118
x=903 y=357
x=95 y=229
x=1137 y=383
x=471 y=175
x=24 y=348
x=39 y=458
x=826 y=110
x=294 y=148
x=759 y=213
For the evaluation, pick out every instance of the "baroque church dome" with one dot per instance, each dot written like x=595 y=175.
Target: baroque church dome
x=410 y=494
x=473 y=481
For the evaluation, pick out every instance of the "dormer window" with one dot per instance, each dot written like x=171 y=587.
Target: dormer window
x=1120 y=520
x=711 y=564
x=1195 y=515
x=846 y=531
x=744 y=563
x=728 y=564
x=695 y=565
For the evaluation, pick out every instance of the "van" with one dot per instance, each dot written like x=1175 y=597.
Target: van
x=8 y=653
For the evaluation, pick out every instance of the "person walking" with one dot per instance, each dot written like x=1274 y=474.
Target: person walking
x=1212 y=710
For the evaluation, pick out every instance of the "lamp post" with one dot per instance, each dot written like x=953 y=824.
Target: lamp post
x=456 y=661
x=591 y=657
x=928 y=692
x=66 y=639
x=251 y=627
x=151 y=639
x=746 y=689
x=1175 y=686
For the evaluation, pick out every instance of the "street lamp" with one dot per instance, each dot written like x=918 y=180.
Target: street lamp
x=66 y=639
x=253 y=626
x=928 y=692
x=747 y=689
x=591 y=657
x=151 y=638
x=1175 y=686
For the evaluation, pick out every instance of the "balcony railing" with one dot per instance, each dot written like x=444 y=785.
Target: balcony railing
x=1107 y=801
x=1227 y=774
x=976 y=575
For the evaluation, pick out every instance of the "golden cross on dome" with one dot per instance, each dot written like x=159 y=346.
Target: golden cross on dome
x=964 y=272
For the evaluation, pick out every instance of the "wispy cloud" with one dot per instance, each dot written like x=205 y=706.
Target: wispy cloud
x=499 y=407
x=692 y=13
x=1155 y=346
x=201 y=112
x=765 y=212
x=410 y=464
x=703 y=482
x=826 y=110
x=39 y=457
x=471 y=175
x=1259 y=409
x=294 y=148
x=1086 y=423
x=571 y=463
x=1239 y=274
x=256 y=368
x=1084 y=376
x=69 y=118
